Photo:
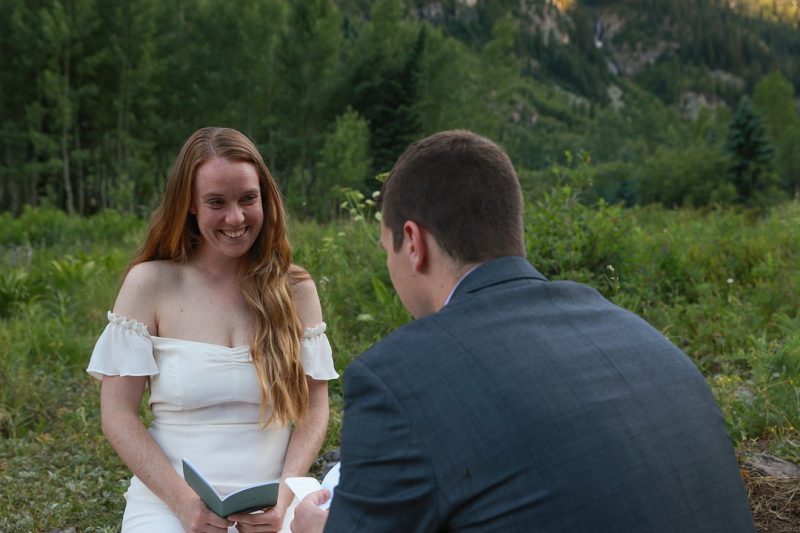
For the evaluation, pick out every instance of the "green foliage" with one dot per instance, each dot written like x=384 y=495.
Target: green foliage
x=51 y=227
x=788 y=159
x=714 y=281
x=15 y=291
x=751 y=154
x=768 y=402
x=384 y=81
x=307 y=59
x=344 y=163
x=773 y=97
x=98 y=96
x=568 y=239
x=695 y=176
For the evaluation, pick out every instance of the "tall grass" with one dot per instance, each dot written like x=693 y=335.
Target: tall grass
x=722 y=284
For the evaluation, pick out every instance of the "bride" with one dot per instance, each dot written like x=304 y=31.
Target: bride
x=227 y=334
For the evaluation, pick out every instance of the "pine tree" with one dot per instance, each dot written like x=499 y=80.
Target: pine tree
x=750 y=151
x=393 y=119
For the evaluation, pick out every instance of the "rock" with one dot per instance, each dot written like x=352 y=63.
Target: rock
x=769 y=465
x=324 y=463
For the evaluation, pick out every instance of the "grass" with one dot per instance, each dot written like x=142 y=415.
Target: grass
x=721 y=283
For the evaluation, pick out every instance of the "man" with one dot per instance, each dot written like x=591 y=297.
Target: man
x=514 y=403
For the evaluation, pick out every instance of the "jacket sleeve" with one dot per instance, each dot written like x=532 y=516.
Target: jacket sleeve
x=387 y=482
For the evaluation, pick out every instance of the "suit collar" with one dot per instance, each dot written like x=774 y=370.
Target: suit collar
x=495 y=271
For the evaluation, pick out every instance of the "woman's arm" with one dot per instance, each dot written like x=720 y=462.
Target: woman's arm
x=308 y=433
x=120 y=398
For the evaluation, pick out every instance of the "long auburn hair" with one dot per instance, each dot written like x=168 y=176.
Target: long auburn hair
x=266 y=275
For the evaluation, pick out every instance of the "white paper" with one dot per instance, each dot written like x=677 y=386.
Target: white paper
x=303 y=486
x=329 y=482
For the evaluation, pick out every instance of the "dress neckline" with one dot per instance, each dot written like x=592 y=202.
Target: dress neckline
x=211 y=344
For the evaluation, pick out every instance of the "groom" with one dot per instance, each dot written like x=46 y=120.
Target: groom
x=514 y=403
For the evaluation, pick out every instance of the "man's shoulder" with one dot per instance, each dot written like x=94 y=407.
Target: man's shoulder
x=408 y=338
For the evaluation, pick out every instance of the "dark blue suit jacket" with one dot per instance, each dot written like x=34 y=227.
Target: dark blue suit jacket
x=528 y=405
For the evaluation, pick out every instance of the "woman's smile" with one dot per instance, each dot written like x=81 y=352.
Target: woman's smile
x=234 y=234
x=227 y=206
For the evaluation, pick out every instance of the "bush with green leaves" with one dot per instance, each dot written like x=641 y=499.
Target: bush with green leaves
x=718 y=282
x=567 y=238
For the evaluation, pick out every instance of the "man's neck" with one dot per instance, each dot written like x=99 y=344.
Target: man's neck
x=451 y=281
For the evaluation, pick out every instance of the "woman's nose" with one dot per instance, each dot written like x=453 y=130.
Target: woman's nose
x=235 y=215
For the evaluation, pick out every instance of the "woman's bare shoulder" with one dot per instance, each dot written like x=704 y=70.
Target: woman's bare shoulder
x=304 y=297
x=144 y=287
x=150 y=274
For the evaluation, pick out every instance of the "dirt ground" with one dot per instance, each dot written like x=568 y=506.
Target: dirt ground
x=774 y=500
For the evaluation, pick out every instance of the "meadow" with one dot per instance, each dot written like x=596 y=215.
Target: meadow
x=722 y=283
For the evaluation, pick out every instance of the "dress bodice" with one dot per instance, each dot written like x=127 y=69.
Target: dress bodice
x=206 y=399
x=203 y=383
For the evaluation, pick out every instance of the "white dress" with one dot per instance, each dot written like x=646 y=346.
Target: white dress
x=205 y=399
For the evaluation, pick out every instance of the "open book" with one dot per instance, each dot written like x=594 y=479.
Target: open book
x=245 y=500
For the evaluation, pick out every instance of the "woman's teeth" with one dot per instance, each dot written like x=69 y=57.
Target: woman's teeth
x=234 y=234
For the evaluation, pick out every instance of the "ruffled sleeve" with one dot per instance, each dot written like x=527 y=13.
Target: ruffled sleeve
x=316 y=353
x=123 y=349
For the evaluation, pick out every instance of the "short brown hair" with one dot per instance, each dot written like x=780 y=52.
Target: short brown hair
x=463 y=189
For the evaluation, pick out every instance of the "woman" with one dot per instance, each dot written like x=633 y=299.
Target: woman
x=229 y=336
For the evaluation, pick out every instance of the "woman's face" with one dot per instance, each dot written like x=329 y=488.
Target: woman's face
x=226 y=200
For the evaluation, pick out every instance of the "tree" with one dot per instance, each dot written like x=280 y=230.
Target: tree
x=392 y=116
x=774 y=98
x=695 y=176
x=383 y=80
x=446 y=84
x=306 y=74
x=751 y=153
x=343 y=163
x=787 y=159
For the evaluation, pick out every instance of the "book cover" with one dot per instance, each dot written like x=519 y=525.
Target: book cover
x=245 y=500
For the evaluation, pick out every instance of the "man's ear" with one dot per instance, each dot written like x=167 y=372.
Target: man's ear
x=415 y=237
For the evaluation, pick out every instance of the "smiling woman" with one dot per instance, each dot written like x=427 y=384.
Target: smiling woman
x=228 y=335
x=226 y=203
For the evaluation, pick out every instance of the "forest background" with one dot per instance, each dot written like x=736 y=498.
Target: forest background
x=658 y=143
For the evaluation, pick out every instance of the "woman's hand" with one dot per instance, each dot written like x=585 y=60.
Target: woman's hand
x=195 y=517
x=268 y=520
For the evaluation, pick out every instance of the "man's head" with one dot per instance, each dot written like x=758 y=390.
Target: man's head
x=462 y=188
x=451 y=201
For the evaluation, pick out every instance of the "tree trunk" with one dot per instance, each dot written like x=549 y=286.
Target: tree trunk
x=79 y=163
x=65 y=120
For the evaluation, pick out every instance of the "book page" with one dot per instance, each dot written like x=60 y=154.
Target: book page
x=329 y=482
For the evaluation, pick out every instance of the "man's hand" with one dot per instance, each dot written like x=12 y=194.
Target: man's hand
x=308 y=517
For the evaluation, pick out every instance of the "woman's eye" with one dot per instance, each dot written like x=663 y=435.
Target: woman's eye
x=216 y=203
x=250 y=198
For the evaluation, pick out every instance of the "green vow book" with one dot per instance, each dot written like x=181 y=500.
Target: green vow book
x=245 y=500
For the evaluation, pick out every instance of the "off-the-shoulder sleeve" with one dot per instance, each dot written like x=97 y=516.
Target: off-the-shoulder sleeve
x=123 y=349
x=316 y=353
